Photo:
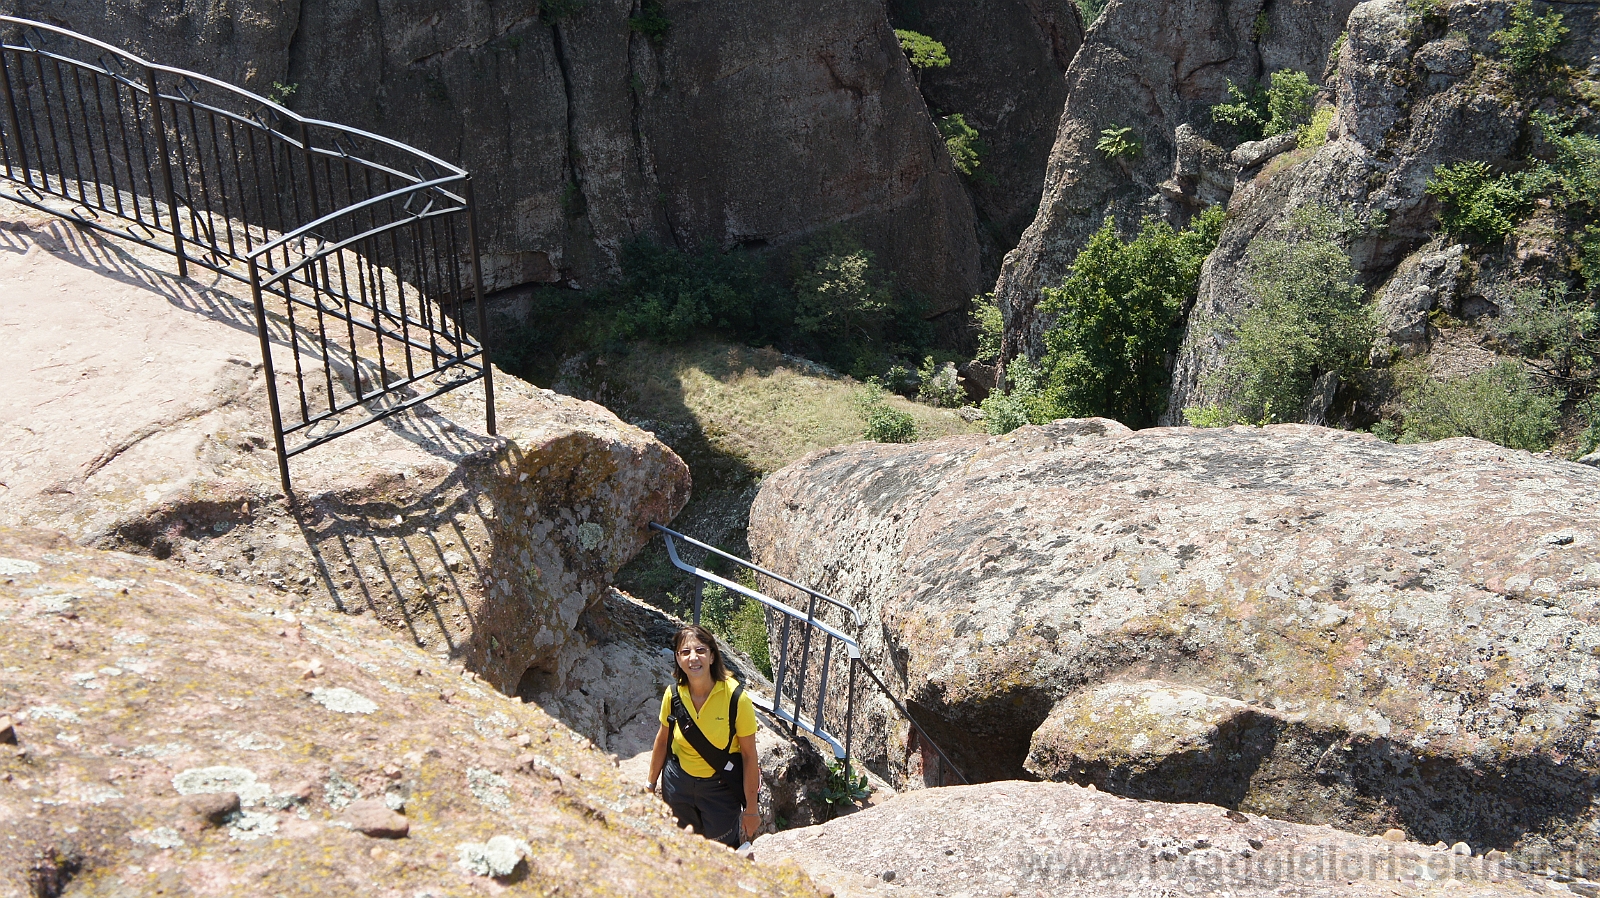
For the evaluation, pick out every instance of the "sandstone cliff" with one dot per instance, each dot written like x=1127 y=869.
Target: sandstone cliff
x=586 y=125
x=163 y=732
x=1296 y=621
x=1149 y=67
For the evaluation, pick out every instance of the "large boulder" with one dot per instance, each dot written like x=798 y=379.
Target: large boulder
x=1151 y=68
x=166 y=732
x=1027 y=839
x=135 y=417
x=1295 y=620
x=585 y=127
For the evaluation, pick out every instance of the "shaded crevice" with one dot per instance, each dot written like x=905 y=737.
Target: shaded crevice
x=574 y=169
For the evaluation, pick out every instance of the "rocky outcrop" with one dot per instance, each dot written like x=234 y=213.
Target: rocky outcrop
x=1292 y=620
x=177 y=733
x=1026 y=839
x=1409 y=97
x=586 y=126
x=1013 y=97
x=1149 y=67
x=135 y=419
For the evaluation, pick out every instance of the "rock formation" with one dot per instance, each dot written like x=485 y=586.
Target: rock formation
x=590 y=123
x=1297 y=621
x=176 y=733
x=1149 y=67
x=1411 y=93
x=134 y=419
x=1012 y=97
x=1038 y=839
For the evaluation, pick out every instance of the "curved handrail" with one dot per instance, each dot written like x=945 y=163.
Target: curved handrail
x=236 y=91
x=856 y=615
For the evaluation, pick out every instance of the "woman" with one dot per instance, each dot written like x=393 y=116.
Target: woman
x=709 y=793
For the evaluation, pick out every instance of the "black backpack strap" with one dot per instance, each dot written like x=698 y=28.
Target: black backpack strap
x=733 y=717
x=717 y=758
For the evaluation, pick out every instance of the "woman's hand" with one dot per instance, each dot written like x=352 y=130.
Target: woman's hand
x=749 y=822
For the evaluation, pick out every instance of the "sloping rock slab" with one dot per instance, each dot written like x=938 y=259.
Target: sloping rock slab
x=135 y=417
x=1416 y=627
x=134 y=683
x=1043 y=839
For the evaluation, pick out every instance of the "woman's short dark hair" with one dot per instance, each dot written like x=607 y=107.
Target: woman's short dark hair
x=719 y=672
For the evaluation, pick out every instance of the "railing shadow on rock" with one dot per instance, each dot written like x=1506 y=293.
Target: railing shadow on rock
x=363 y=250
x=811 y=647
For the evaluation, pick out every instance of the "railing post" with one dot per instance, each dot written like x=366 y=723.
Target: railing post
x=483 y=316
x=15 y=122
x=166 y=175
x=272 y=378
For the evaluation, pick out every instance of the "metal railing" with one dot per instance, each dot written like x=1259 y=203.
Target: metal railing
x=790 y=696
x=361 y=253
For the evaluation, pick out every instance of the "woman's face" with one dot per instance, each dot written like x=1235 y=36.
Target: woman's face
x=694 y=659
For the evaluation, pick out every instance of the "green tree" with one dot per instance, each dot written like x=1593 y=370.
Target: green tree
x=839 y=296
x=1528 y=43
x=1501 y=404
x=1308 y=318
x=1283 y=107
x=989 y=324
x=961 y=139
x=1118 y=317
x=922 y=51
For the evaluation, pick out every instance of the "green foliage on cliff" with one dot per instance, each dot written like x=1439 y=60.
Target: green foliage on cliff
x=990 y=324
x=1500 y=404
x=1308 y=319
x=1280 y=108
x=1478 y=206
x=1527 y=43
x=1118 y=143
x=1091 y=10
x=1022 y=403
x=961 y=139
x=922 y=51
x=1118 y=316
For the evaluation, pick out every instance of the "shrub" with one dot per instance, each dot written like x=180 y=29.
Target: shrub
x=1118 y=317
x=961 y=139
x=670 y=296
x=990 y=325
x=1527 y=44
x=1315 y=133
x=1091 y=10
x=922 y=51
x=937 y=384
x=1020 y=404
x=1308 y=319
x=884 y=423
x=1475 y=206
x=1557 y=329
x=1118 y=143
x=1588 y=259
x=1279 y=109
x=838 y=295
x=1501 y=404
x=652 y=21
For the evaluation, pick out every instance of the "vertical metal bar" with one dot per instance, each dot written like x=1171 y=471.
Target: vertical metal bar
x=172 y=198
x=88 y=139
x=477 y=297
x=783 y=662
x=272 y=380
x=105 y=135
x=805 y=656
x=72 y=137
x=850 y=710
x=14 y=122
x=50 y=127
x=822 y=686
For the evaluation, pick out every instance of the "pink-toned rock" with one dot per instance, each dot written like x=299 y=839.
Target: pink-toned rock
x=371 y=817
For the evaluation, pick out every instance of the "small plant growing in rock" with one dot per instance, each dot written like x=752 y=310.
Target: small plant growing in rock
x=1475 y=206
x=1527 y=43
x=652 y=21
x=280 y=92
x=1119 y=143
x=1283 y=107
x=1315 y=133
x=844 y=787
x=1091 y=10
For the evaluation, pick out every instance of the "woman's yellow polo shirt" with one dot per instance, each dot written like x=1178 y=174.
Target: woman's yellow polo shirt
x=712 y=719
